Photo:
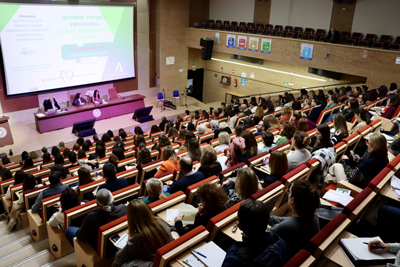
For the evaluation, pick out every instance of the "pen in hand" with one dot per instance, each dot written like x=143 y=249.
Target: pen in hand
x=374 y=246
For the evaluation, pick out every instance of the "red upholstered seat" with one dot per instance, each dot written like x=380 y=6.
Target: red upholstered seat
x=107 y=226
x=379 y=178
x=356 y=201
x=223 y=215
x=311 y=162
x=347 y=139
x=256 y=157
x=168 y=247
x=163 y=200
x=394 y=162
x=323 y=234
x=289 y=175
x=277 y=147
x=298 y=259
x=193 y=186
x=221 y=174
x=260 y=193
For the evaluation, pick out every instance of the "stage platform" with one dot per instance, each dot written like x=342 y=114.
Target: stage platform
x=26 y=137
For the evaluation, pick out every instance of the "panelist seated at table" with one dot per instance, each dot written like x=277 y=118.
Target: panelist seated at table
x=97 y=99
x=79 y=100
x=50 y=103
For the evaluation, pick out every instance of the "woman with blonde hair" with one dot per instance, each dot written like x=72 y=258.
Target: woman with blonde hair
x=258 y=115
x=340 y=125
x=170 y=163
x=61 y=146
x=155 y=191
x=367 y=167
x=209 y=165
x=285 y=114
x=172 y=132
x=300 y=155
x=273 y=122
x=147 y=233
x=246 y=185
x=181 y=136
x=306 y=103
x=162 y=142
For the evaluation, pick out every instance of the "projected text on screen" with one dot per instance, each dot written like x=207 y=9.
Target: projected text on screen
x=47 y=47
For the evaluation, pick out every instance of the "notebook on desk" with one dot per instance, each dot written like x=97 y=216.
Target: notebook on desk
x=358 y=254
x=214 y=255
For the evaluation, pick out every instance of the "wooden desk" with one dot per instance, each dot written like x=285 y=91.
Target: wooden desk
x=388 y=192
x=113 y=108
x=227 y=230
x=233 y=93
x=258 y=167
x=5 y=132
x=163 y=214
x=335 y=254
x=125 y=231
x=184 y=255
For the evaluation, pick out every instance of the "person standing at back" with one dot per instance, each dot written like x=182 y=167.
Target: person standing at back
x=112 y=183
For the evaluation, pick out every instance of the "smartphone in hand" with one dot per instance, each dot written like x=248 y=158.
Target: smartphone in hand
x=353 y=155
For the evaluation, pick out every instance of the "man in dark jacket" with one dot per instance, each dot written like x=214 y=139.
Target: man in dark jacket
x=55 y=188
x=316 y=111
x=189 y=177
x=112 y=183
x=333 y=36
x=259 y=248
x=50 y=103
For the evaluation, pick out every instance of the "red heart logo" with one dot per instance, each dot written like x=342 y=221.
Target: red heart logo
x=67 y=76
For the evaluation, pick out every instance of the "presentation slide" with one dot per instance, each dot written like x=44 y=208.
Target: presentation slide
x=51 y=46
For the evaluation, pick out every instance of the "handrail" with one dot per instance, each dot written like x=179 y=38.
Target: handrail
x=269 y=93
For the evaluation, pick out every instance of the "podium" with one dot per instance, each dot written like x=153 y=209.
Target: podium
x=5 y=132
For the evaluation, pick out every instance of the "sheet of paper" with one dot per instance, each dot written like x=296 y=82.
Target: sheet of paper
x=172 y=214
x=360 y=250
x=189 y=212
x=193 y=261
x=374 y=113
x=276 y=138
x=388 y=137
x=121 y=242
x=215 y=255
x=222 y=160
x=343 y=191
x=267 y=168
x=338 y=197
x=40 y=115
x=395 y=183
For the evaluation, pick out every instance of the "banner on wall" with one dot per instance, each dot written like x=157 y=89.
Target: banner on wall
x=253 y=44
x=266 y=46
x=241 y=44
x=230 y=41
x=306 y=51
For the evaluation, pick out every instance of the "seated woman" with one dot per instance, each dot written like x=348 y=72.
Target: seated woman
x=250 y=149
x=181 y=136
x=28 y=163
x=84 y=177
x=147 y=233
x=155 y=191
x=258 y=115
x=194 y=149
x=297 y=230
x=115 y=161
x=81 y=154
x=224 y=140
x=367 y=167
x=333 y=101
x=300 y=155
x=139 y=139
x=163 y=141
x=285 y=114
x=288 y=130
x=362 y=119
x=348 y=113
x=69 y=199
x=97 y=98
x=6 y=174
x=172 y=132
x=279 y=166
x=213 y=199
x=297 y=116
x=209 y=165
x=143 y=157
x=79 y=100
x=46 y=157
x=185 y=145
x=170 y=162
x=323 y=137
x=201 y=129
x=303 y=125
x=18 y=179
x=340 y=125
x=393 y=104
x=119 y=152
x=273 y=123
x=246 y=184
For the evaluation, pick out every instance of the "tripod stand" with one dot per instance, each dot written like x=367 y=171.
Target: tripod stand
x=188 y=90
x=163 y=102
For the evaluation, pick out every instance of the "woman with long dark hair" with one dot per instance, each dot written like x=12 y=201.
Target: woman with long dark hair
x=79 y=100
x=97 y=98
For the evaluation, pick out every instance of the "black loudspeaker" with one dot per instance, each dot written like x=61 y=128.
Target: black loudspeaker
x=206 y=52
x=338 y=1
x=349 y=2
x=87 y=132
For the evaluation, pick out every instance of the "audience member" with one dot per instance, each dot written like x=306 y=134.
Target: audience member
x=279 y=166
x=107 y=212
x=106 y=138
x=258 y=115
x=54 y=152
x=246 y=184
x=303 y=125
x=155 y=191
x=316 y=111
x=273 y=123
x=224 y=140
x=194 y=150
x=340 y=125
x=362 y=119
x=147 y=233
x=262 y=127
x=186 y=177
x=112 y=183
x=190 y=127
x=100 y=151
x=332 y=102
x=367 y=167
x=18 y=179
x=185 y=145
x=84 y=176
x=333 y=36
x=6 y=174
x=163 y=141
x=285 y=114
x=172 y=132
x=387 y=221
x=323 y=136
x=181 y=136
x=349 y=112
x=170 y=162
x=46 y=157
x=28 y=162
x=298 y=115
x=297 y=230
x=143 y=157
x=268 y=141
x=201 y=129
x=297 y=105
x=113 y=159
x=139 y=139
x=393 y=104
x=300 y=155
x=69 y=199
x=81 y=154
x=288 y=130
x=209 y=165
x=213 y=199
x=154 y=129
x=56 y=187
x=163 y=122
x=362 y=100
x=258 y=247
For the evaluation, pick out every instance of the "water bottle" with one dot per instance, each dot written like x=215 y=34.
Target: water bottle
x=96 y=174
